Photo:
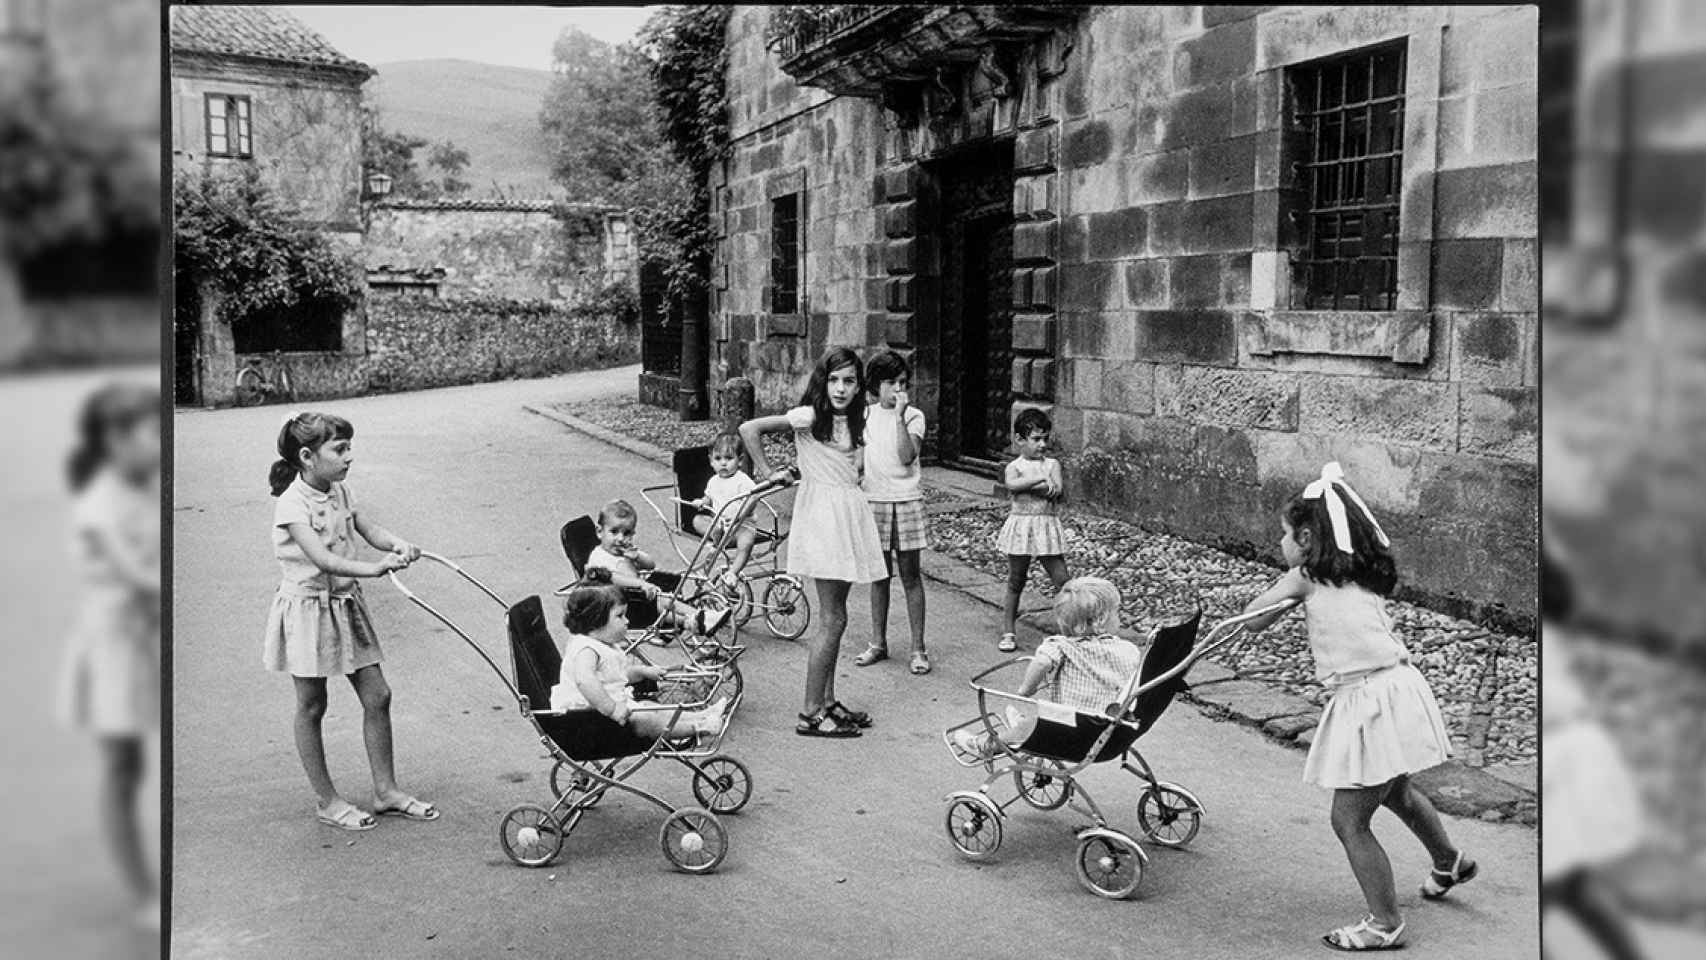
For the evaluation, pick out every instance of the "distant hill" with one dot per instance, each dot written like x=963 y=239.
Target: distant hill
x=490 y=111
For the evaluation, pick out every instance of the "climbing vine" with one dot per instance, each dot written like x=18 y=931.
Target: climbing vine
x=232 y=232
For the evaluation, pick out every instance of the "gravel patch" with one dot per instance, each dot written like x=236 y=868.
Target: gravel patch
x=1484 y=680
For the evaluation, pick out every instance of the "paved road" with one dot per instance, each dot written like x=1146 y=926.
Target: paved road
x=59 y=893
x=842 y=852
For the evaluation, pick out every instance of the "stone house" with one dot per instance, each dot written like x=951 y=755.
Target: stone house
x=254 y=86
x=498 y=248
x=1221 y=245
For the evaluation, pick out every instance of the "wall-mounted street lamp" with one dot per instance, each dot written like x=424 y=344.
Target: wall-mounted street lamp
x=378 y=185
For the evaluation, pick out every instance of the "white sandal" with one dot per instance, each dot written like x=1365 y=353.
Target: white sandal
x=1365 y=936
x=1439 y=882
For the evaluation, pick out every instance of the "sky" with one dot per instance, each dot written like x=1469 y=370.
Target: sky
x=512 y=35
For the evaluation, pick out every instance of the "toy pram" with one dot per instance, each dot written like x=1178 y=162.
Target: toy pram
x=594 y=754
x=782 y=601
x=1044 y=766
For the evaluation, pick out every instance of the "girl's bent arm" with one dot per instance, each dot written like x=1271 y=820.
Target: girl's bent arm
x=330 y=562
x=905 y=444
x=1015 y=484
x=130 y=567
x=383 y=539
x=1290 y=586
x=586 y=681
x=752 y=434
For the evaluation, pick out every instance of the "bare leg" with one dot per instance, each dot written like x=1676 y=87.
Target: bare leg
x=880 y=606
x=1587 y=899
x=1018 y=568
x=1353 y=808
x=1055 y=567
x=826 y=647
x=122 y=769
x=375 y=695
x=744 y=539
x=310 y=746
x=1417 y=812
x=913 y=581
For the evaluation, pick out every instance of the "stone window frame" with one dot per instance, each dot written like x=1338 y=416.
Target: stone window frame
x=776 y=187
x=244 y=148
x=1400 y=335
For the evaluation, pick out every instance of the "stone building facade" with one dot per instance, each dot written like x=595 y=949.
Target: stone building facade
x=503 y=248
x=1220 y=244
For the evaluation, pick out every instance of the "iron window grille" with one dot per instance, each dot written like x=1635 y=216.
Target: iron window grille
x=1350 y=112
x=785 y=254
x=228 y=132
x=1560 y=46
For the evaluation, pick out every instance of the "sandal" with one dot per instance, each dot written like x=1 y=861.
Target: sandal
x=872 y=654
x=920 y=663
x=838 y=712
x=1439 y=882
x=1365 y=936
x=812 y=725
x=351 y=818
x=413 y=808
x=1008 y=643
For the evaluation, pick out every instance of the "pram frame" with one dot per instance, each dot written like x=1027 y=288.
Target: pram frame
x=710 y=769
x=764 y=553
x=1021 y=765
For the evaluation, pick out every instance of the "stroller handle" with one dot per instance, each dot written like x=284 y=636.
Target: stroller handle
x=454 y=628
x=446 y=561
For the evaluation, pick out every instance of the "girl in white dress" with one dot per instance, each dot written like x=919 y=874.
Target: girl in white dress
x=1382 y=722
x=318 y=625
x=111 y=681
x=834 y=537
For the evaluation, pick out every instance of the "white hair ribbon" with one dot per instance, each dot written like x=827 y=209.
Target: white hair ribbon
x=290 y=418
x=1322 y=488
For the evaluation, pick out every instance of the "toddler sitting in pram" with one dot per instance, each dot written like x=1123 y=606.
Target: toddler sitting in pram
x=598 y=676
x=617 y=555
x=1086 y=667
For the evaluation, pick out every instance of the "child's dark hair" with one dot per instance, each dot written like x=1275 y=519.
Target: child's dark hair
x=886 y=365
x=111 y=409
x=1030 y=420
x=589 y=602
x=1369 y=565
x=1557 y=593
x=817 y=397
x=617 y=510
x=728 y=445
x=310 y=430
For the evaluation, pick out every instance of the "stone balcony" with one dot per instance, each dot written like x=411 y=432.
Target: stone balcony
x=859 y=50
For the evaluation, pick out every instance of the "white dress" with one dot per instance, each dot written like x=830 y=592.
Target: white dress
x=1590 y=806
x=833 y=535
x=1033 y=527
x=110 y=682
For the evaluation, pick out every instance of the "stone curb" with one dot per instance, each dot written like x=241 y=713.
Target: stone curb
x=1454 y=787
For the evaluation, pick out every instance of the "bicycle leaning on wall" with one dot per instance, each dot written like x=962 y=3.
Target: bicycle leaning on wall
x=254 y=386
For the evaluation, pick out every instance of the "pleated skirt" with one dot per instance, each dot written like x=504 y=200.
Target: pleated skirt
x=1377 y=727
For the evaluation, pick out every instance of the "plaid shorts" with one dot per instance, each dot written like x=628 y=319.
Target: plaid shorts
x=900 y=525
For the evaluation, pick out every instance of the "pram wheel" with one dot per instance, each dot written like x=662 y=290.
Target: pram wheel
x=530 y=835
x=786 y=610
x=1110 y=864
x=974 y=825
x=722 y=784
x=693 y=840
x=740 y=595
x=1041 y=790
x=566 y=781
x=1169 y=814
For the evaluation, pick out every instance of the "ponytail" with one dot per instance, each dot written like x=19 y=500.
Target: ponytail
x=117 y=406
x=303 y=430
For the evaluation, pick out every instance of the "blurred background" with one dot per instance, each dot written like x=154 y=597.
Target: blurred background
x=1623 y=198
x=79 y=308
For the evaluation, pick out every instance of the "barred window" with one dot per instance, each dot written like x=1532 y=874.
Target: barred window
x=785 y=254
x=1349 y=110
x=228 y=126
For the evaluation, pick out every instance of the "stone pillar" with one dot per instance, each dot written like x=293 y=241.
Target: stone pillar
x=1036 y=248
x=690 y=395
x=739 y=402
x=217 y=353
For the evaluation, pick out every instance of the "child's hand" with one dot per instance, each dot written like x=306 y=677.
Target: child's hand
x=900 y=400
x=621 y=712
x=392 y=561
x=406 y=549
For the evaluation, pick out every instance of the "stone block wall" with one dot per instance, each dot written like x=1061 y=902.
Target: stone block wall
x=1193 y=398
x=1624 y=350
x=499 y=249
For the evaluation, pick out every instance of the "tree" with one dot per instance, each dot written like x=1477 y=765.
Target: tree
x=451 y=161
x=391 y=153
x=597 y=118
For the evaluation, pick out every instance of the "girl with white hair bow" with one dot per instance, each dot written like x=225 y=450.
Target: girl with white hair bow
x=1381 y=723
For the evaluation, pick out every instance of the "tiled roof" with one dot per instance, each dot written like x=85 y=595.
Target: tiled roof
x=519 y=206
x=266 y=33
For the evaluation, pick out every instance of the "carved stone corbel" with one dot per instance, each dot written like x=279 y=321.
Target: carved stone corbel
x=1052 y=52
x=904 y=99
x=939 y=94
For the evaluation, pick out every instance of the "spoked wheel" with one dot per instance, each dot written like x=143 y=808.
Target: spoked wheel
x=1042 y=790
x=249 y=388
x=530 y=835
x=786 y=610
x=1110 y=864
x=693 y=840
x=974 y=825
x=726 y=785
x=566 y=780
x=1169 y=814
x=740 y=596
